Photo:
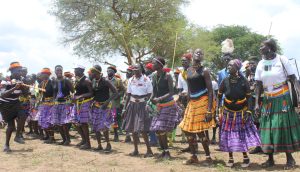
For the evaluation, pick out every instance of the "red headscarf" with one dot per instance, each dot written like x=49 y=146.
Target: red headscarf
x=188 y=56
x=149 y=66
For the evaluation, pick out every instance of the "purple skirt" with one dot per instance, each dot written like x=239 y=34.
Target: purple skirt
x=137 y=118
x=166 y=119
x=61 y=114
x=101 y=119
x=237 y=135
x=45 y=116
x=81 y=113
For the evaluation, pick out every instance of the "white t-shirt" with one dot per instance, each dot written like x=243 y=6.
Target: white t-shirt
x=182 y=84
x=141 y=86
x=271 y=72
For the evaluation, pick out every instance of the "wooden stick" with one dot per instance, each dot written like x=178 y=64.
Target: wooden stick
x=174 y=51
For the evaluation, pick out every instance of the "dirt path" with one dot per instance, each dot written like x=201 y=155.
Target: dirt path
x=36 y=156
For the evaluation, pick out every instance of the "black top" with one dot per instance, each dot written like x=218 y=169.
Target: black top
x=235 y=90
x=195 y=80
x=61 y=85
x=101 y=90
x=160 y=85
x=80 y=87
x=49 y=90
x=13 y=97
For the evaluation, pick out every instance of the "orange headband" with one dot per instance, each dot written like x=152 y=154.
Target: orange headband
x=46 y=71
x=14 y=65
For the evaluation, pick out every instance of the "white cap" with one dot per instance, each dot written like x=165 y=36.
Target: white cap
x=79 y=67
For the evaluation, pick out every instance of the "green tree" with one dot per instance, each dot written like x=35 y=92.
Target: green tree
x=245 y=41
x=132 y=28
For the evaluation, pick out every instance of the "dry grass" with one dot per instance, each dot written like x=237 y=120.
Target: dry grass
x=36 y=156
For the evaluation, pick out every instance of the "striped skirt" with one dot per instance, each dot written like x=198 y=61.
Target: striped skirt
x=137 y=118
x=167 y=118
x=81 y=112
x=279 y=125
x=194 y=117
x=45 y=115
x=61 y=114
x=101 y=118
x=237 y=132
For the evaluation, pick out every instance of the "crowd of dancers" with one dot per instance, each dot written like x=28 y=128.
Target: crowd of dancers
x=249 y=102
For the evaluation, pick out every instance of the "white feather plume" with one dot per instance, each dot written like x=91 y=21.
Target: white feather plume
x=227 y=46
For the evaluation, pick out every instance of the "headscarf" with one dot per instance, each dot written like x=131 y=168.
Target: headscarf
x=46 y=71
x=237 y=63
x=188 y=56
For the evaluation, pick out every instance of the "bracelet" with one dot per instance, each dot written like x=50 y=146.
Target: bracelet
x=208 y=112
x=248 y=111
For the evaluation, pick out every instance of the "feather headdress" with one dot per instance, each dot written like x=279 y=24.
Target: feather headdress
x=227 y=46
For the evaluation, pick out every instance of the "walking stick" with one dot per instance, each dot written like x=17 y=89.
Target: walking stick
x=174 y=51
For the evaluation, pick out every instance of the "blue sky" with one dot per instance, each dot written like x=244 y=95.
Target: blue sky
x=30 y=35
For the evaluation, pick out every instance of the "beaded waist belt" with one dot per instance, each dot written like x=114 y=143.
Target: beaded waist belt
x=166 y=104
x=137 y=100
x=281 y=92
x=276 y=86
x=238 y=102
x=200 y=93
x=99 y=104
x=84 y=100
x=48 y=103
x=24 y=99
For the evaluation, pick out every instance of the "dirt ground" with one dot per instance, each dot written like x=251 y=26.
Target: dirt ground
x=37 y=156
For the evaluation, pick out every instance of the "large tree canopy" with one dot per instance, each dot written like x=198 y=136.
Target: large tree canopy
x=133 y=28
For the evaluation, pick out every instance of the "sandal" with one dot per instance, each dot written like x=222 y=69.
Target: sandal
x=230 y=162
x=99 y=148
x=246 y=162
x=85 y=147
x=108 y=148
x=167 y=155
x=162 y=155
x=268 y=164
x=134 y=153
x=208 y=161
x=192 y=160
x=80 y=143
x=290 y=165
x=148 y=155
x=188 y=149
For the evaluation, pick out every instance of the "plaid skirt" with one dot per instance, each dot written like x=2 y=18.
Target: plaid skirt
x=61 y=114
x=45 y=115
x=101 y=119
x=81 y=112
x=167 y=118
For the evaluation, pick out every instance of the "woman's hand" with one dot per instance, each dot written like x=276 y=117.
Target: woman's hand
x=104 y=106
x=257 y=110
x=155 y=100
x=208 y=117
